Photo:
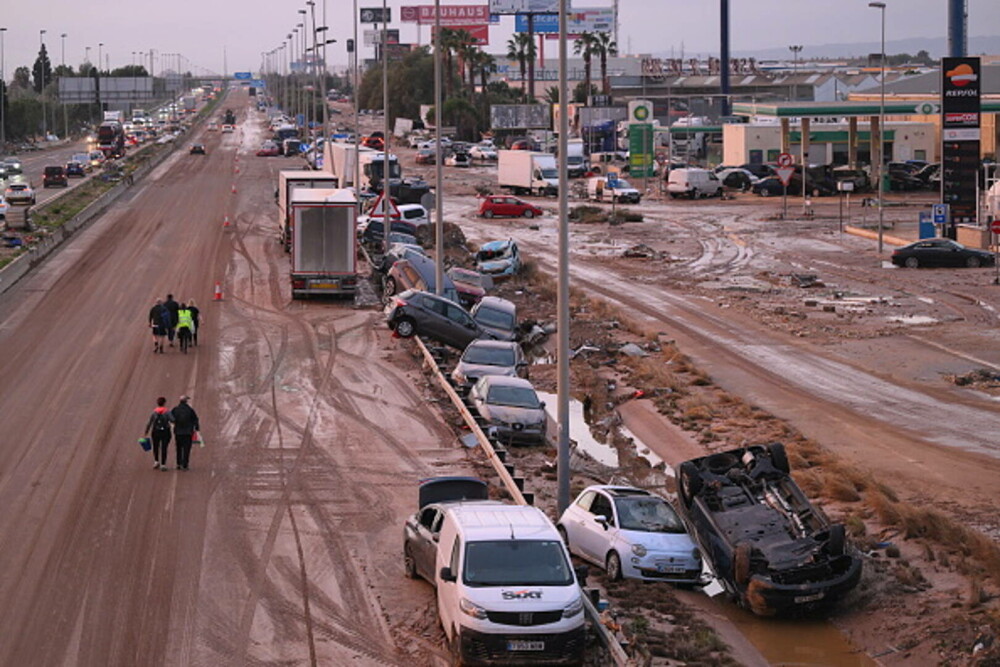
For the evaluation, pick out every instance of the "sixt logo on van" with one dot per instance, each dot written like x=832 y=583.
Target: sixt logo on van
x=522 y=595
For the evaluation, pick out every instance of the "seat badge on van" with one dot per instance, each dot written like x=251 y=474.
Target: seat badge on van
x=522 y=595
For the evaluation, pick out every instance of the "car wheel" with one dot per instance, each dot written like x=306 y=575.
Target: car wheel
x=528 y=213
x=613 y=566
x=973 y=262
x=911 y=262
x=764 y=192
x=741 y=564
x=406 y=327
x=779 y=459
x=488 y=214
x=689 y=482
x=390 y=286
x=409 y=564
x=838 y=540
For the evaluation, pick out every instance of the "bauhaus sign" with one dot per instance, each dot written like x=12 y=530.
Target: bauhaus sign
x=960 y=117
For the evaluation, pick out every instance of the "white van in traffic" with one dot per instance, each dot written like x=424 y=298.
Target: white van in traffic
x=692 y=183
x=506 y=589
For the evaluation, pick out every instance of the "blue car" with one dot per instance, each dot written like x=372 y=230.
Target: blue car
x=499 y=259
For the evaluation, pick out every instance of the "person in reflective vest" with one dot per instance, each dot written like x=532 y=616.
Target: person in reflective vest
x=185 y=327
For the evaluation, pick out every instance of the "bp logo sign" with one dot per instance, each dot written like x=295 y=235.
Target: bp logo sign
x=640 y=113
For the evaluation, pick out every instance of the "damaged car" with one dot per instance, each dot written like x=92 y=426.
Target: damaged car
x=771 y=549
x=499 y=259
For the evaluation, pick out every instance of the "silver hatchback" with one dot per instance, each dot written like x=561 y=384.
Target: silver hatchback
x=488 y=357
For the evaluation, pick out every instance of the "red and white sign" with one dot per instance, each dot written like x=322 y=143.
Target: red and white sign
x=785 y=160
x=480 y=33
x=452 y=16
x=785 y=174
x=995 y=226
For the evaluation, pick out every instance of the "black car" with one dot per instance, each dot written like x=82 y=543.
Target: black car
x=421 y=313
x=940 y=252
x=53 y=176
x=772 y=187
x=198 y=149
x=771 y=549
x=759 y=169
x=75 y=169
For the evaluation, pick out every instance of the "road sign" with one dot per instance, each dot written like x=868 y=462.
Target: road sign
x=785 y=174
x=940 y=214
x=374 y=15
x=257 y=83
x=242 y=75
x=785 y=160
x=995 y=226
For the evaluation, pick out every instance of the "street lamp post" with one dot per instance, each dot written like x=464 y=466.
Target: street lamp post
x=3 y=99
x=45 y=126
x=795 y=49
x=881 y=124
x=65 y=112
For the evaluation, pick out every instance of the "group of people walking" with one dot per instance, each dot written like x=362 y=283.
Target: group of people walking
x=169 y=319
x=183 y=420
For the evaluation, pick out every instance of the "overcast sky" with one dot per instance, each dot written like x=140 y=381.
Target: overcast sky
x=202 y=30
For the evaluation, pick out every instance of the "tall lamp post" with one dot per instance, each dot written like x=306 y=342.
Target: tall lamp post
x=3 y=99
x=795 y=49
x=45 y=126
x=881 y=124
x=65 y=113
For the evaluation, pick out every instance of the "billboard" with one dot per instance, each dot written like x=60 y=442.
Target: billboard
x=524 y=6
x=451 y=15
x=373 y=37
x=578 y=21
x=520 y=117
x=374 y=15
x=480 y=33
x=81 y=89
x=960 y=117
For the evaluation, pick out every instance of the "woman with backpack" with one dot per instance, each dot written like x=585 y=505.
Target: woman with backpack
x=158 y=428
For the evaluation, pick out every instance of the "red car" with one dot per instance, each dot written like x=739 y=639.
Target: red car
x=268 y=150
x=426 y=156
x=505 y=206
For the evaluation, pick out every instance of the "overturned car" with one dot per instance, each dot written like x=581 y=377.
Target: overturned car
x=772 y=550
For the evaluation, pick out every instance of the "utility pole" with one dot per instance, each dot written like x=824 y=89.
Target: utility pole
x=45 y=127
x=3 y=99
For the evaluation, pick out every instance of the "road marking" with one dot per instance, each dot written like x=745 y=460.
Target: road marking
x=960 y=355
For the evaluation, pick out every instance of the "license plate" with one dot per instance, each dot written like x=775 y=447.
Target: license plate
x=669 y=569
x=802 y=599
x=523 y=645
x=324 y=285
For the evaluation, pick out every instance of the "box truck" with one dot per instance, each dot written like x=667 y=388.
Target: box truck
x=324 y=244
x=528 y=172
x=289 y=180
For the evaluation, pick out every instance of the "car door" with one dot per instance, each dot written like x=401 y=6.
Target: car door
x=425 y=546
x=462 y=329
x=435 y=318
x=593 y=536
x=952 y=255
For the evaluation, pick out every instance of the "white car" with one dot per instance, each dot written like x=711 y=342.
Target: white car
x=227 y=128
x=483 y=152
x=458 y=160
x=19 y=192
x=631 y=533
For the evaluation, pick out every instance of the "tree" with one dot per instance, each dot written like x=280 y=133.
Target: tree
x=521 y=48
x=586 y=45
x=22 y=78
x=552 y=94
x=605 y=47
x=42 y=71
x=451 y=41
x=131 y=70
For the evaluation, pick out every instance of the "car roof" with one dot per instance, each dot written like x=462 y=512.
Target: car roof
x=619 y=491
x=497 y=245
x=498 y=303
x=504 y=381
x=490 y=520
x=492 y=344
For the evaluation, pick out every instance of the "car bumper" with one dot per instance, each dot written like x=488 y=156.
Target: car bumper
x=481 y=648
x=528 y=435
x=661 y=567
x=767 y=598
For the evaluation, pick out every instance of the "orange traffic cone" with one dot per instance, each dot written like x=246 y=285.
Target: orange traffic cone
x=237 y=170
x=234 y=188
x=225 y=222
x=218 y=291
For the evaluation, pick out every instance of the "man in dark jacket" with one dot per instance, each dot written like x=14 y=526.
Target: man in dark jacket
x=172 y=307
x=185 y=425
x=159 y=322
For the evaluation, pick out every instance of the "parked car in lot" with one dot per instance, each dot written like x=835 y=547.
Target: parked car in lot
x=228 y=128
x=510 y=409
x=498 y=316
x=771 y=549
x=54 y=175
x=940 y=252
x=417 y=272
x=693 y=183
x=506 y=590
x=458 y=159
x=507 y=206
x=483 y=152
x=471 y=285
x=488 y=357
x=19 y=192
x=426 y=156
x=759 y=169
x=737 y=178
x=772 y=187
x=198 y=149
x=632 y=534
x=75 y=170
x=498 y=259
x=857 y=177
x=414 y=313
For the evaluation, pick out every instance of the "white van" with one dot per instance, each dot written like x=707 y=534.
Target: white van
x=612 y=189
x=506 y=589
x=692 y=183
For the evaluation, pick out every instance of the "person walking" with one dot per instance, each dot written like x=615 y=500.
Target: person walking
x=172 y=307
x=185 y=327
x=196 y=318
x=159 y=320
x=158 y=429
x=185 y=425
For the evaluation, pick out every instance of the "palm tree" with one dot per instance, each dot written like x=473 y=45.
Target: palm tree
x=585 y=45
x=468 y=54
x=605 y=46
x=521 y=48
x=451 y=41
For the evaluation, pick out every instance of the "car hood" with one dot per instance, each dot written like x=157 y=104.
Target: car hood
x=496 y=266
x=511 y=415
x=679 y=543
x=479 y=370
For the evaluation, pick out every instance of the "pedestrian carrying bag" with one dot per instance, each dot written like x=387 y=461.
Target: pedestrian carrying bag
x=145 y=444
x=197 y=440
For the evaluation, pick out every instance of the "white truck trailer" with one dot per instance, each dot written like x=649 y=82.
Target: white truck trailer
x=290 y=180
x=324 y=243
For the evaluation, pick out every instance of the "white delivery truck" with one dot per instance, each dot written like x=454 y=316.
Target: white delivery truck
x=612 y=189
x=289 y=180
x=576 y=166
x=528 y=172
x=324 y=244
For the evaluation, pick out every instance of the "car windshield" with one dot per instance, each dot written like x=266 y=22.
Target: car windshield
x=550 y=174
x=497 y=319
x=516 y=563
x=648 y=514
x=623 y=184
x=466 y=276
x=489 y=356
x=513 y=397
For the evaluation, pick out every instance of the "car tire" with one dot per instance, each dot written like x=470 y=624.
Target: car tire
x=973 y=262
x=613 y=566
x=409 y=564
x=688 y=482
x=779 y=459
x=764 y=192
x=911 y=262
x=741 y=564
x=838 y=540
x=406 y=327
x=389 y=288
x=528 y=213
x=488 y=214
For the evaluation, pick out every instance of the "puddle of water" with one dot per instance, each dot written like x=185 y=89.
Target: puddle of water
x=925 y=299
x=913 y=319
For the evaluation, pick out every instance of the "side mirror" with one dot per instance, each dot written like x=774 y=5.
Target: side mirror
x=582 y=572
x=446 y=574
x=541 y=405
x=603 y=520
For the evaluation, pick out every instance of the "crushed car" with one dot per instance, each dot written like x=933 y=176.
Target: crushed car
x=499 y=259
x=772 y=550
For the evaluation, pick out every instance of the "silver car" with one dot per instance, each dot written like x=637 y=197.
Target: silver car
x=488 y=357
x=510 y=409
x=496 y=315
